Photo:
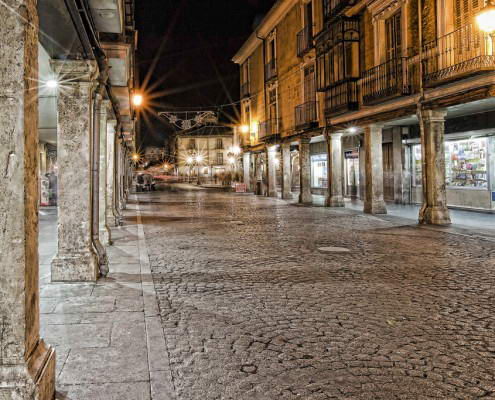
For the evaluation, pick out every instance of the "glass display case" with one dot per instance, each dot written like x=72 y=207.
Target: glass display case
x=466 y=163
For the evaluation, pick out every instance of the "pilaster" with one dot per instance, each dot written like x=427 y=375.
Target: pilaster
x=373 y=201
x=76 y=259
x=27 y=363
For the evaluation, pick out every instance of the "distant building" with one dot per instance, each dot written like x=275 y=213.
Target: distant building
x=155 y=153
x=208 y=151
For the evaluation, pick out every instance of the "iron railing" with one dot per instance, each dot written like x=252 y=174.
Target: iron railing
x=271 y=69
x=465 y=51
x=385 y=81
x=269 y=128
x=304 y=40
x=245 y=90
x=306 y=114
x=341 y=97
x=333 y=7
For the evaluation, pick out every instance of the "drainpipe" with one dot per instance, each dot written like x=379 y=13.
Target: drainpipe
x=422 y=210
x=95 y=188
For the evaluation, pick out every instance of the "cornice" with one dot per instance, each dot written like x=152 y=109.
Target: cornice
x=269 y=22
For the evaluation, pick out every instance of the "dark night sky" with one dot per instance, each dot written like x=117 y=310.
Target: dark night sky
x=192 y=42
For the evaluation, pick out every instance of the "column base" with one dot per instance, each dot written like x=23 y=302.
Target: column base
x=272 y=194
x=287 y=196
x=112 y=220
x=105 y=236
x=375 y=207
x=75 y=267
x=34 y=379
x=435 y=215
x=334 y=201
x=305 y=198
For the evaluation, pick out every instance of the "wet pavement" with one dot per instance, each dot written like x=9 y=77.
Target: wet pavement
x=263 y=299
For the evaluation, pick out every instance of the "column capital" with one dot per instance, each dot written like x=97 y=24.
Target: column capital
x=375 y=125
x=285 y=145
x=304 y=140
x=75 y=71
x=335 y=136
x=437 y=114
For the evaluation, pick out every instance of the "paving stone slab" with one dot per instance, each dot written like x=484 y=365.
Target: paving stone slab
x=105 y=391
x=78 y=335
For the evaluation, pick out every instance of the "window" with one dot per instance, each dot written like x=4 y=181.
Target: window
x=466 y=163
x=309 y=84
x=192 y=144
x=319 y=171
x=464 y=11
x=272 y=104
x=220 y=158
x=245 y=72
x=308 y=14
x=219 y=144
x=393 y=37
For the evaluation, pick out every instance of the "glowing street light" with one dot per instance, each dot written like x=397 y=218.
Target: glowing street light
x=231 y=160
x=199 y=158
x=236 y=150
x=137 y=99
x=244 y=128
x=189 y=160
x=51 y=83
x=486 y=18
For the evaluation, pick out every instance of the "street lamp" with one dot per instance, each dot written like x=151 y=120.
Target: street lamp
x=236 y=150
x=51 y=83
x=486 y=18
x=244 y=128
x=137 y=99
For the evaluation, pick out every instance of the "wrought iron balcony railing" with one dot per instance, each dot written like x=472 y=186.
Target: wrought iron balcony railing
x=332 y=8
x=271 y=69
x=341 y=97
x=304 y=40
x=268 y=128
x=306 y=115
x=245 y=89
x=466 y=51
x=385 y=81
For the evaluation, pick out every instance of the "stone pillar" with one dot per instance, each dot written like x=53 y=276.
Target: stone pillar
x=362 y=173
x=271 y=172
x=76 y=259
x=246 y=164
x=305 y=196
x=27 y=363
x=397 y=156
x=259 y=175
x=286 y=172
x=373 y=164
x=105 y=236
x=434 y=209
x=334 y=197
x=111 y=172
x=121 y=175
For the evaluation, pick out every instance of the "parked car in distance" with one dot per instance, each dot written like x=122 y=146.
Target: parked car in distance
x=145 y=183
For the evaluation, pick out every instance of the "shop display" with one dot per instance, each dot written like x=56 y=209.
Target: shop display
x=319 y=171
x=417 y=166
x=466 y=163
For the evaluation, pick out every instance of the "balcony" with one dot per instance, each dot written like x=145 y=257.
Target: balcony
x=304 y=40
x=341 y=97
x=386 y=81
x=245 y=90
x=271 y=69
x=332 y=8
x=269 y=128
x=306 y=116
x=461 y=53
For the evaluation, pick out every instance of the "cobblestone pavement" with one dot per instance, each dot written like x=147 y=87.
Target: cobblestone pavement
x=252 y=309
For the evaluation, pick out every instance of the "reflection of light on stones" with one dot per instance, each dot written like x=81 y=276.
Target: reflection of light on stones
x=330 y=249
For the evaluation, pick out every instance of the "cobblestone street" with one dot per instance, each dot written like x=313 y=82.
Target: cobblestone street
x=253 y=308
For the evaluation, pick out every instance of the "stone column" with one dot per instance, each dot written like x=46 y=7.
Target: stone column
x=434 y=209
x=76 y=259
x=105 y=236
x=362 y=173
x=373 y=164
x=246 y=164
x=397 y=155
x=259 y=175
x=271 y=172
x=305 y=196
x=27 y=363
x=334 y=197
x=286 y=172
x=121 y=175
x=111 y=212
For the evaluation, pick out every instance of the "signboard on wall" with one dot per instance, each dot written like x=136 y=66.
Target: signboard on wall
x=240 y=188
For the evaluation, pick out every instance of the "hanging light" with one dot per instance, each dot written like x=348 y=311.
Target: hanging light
x=137 y=99
x=244 y=128
x=51 y=83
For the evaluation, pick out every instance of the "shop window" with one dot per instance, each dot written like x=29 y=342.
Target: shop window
x=417 y=179
x=319 y=171
x=466 y=163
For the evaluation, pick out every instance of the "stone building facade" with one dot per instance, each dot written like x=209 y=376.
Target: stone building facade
x=402 y=100
x=65 y=92
x=206 y=153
